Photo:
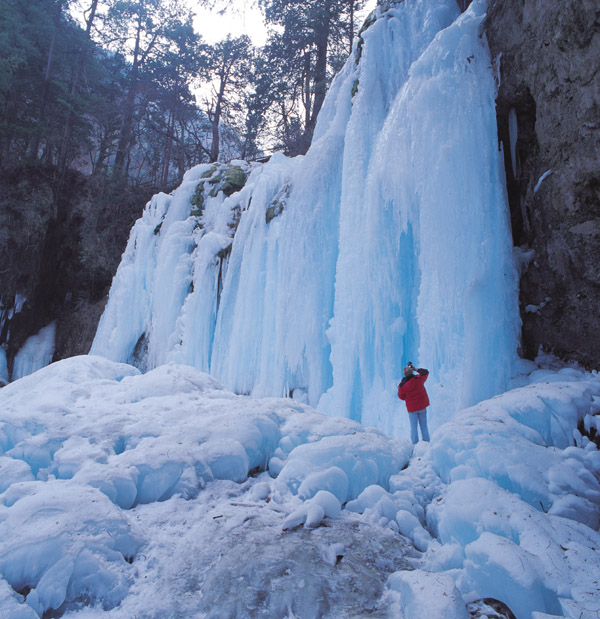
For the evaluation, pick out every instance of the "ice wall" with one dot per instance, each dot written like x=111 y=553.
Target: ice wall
x=428 y=275
x=388 y=242
x=35 y=353
x=3 y=367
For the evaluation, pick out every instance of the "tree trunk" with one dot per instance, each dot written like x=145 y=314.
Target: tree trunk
x=306 y=88
x=35 y=146
x=65 y=146
x=10 y=115
x=124 y=144
x=351 y=33
x=102 y=154
x=164 y=179
x=320 y=75
x=214 y=147
x=181 y=165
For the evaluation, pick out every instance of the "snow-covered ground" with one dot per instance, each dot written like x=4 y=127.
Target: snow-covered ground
x=165 y=495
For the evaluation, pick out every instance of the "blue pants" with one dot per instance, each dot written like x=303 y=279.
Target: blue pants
x=420 y=418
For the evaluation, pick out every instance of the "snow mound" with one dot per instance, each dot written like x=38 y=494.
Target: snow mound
x=523 y=441
x=423 y=594
x=515 y=516
x=64 y=543
x=343 y=465
x=124 y=491
x=86 y=441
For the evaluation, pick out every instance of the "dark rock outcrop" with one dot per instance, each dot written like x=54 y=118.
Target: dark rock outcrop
x=61 y=241
x=549 y=58
x=489 y=608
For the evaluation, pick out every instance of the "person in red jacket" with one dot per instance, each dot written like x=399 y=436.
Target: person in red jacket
x=412 y=391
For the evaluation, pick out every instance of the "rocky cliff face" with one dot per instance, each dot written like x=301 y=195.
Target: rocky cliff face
x=60 y=244
x=549 y=105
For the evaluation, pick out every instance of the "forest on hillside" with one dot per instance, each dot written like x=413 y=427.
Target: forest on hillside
x=128 y=90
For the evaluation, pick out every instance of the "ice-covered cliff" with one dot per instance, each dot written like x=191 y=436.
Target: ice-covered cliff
x=323 y=275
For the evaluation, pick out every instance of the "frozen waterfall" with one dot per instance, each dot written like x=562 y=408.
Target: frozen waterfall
x=323 y=275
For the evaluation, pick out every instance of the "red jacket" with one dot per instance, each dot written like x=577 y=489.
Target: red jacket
x=412 y=391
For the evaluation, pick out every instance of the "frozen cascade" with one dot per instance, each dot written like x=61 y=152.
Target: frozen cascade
x=388 y=242
x=35 y=353
x=3 y=367
x=429 y=277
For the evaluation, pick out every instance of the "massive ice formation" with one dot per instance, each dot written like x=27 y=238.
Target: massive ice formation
x=388 y=242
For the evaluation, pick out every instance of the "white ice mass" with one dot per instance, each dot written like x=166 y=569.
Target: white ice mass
x=187 y=486
x=35 y=353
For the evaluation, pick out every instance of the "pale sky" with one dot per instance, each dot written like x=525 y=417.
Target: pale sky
x=243 y=18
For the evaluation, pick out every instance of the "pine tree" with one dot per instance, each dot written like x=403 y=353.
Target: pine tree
x=305 y=51
x=227 y=68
